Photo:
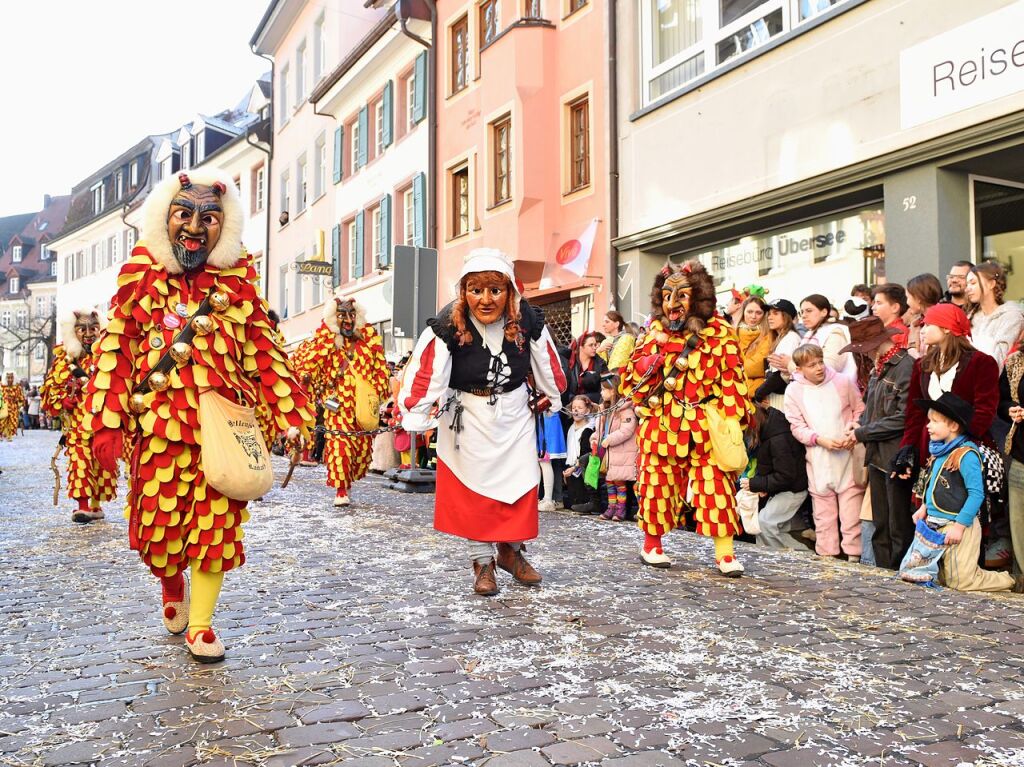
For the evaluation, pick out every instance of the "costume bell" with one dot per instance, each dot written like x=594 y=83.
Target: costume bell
x=190 y=252
x=687 y=362
x=475 y=357
x=63 y=397
x=14 y=398
x=343 y=359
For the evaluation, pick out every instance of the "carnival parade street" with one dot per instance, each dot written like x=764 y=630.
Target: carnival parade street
x=353 y=639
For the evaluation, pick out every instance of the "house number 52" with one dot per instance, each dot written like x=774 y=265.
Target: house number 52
x=910 y=203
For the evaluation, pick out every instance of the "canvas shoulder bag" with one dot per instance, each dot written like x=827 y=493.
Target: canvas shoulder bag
x=234 y=456
x=726 y=440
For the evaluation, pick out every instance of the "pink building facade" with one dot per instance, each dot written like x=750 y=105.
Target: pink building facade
x=522 y=149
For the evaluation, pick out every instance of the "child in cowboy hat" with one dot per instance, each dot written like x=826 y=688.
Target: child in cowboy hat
x=954 y=494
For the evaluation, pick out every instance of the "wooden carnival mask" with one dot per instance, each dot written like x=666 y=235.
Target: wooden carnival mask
x=194 y=221
x=346 y=311
x=675 y=299
x=487 y=295
x=87 y=328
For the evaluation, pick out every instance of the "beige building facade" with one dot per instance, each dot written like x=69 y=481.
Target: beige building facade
x=808 y=145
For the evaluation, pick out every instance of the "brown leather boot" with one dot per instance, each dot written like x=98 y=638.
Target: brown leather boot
x=514 y=563
x=485 y=584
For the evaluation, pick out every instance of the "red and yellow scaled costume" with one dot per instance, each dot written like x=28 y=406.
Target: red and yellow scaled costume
x=14 y=398
x=343 y=349
x=176 y=519
x=688 y=360
x=62 y=397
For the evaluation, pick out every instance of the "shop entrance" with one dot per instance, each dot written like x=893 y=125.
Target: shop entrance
x=999 y=228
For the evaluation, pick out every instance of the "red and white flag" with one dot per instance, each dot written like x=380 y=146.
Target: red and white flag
x=571 y=260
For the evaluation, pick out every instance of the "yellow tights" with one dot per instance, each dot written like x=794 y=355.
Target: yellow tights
x=205 y=590
x=723 y=547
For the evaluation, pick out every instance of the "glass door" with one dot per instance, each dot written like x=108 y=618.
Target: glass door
x=999 y=229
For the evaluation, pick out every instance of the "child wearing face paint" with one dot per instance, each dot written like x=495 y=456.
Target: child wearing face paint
x=88 y=484
x=474 y=359
x=823 y=408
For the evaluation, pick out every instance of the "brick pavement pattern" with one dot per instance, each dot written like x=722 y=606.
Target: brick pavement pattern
x=363 y=645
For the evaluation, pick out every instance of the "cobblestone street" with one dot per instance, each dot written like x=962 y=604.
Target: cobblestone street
x=355 y=638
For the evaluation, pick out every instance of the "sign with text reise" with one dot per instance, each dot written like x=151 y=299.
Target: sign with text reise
x=973 y=64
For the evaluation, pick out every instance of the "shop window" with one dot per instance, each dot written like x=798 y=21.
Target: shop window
x=682 y=40
x=460 y=54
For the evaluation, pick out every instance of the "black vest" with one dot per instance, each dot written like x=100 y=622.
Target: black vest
x=471 y=363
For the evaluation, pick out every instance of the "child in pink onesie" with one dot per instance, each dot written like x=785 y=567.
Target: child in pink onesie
x=821 y=406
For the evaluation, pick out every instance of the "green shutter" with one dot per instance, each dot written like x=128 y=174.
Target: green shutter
x=336 y=253
x=385 y=232
x=388 y=104
x=339 y=136
x=357 y=257
x=364 y=130
x=419 y=96
x=419 y=207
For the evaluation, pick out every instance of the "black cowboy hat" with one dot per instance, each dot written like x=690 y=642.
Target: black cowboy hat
x=951 y=406
x=782 y=305
x=868 y=334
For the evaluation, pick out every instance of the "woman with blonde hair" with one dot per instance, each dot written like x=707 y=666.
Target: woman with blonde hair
x=755 y=342
x=781 y=322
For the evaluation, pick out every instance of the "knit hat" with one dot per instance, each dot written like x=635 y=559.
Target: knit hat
x=950 y=317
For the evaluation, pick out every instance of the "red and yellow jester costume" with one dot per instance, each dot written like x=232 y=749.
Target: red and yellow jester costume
x=14 y=398
x=176 y=519
x=343 y=349
x=62 y=397
x=689 y=360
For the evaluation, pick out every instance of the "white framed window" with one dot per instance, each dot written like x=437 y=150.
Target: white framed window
x=44 y=253
x=320 y=180
x=5 y=318
x=115 y=248
x=258 y=186
x=300 y=75
x=200 y=147
x=53 y=269
x=98 y=201
x=119 y=185
x=282 y=296
x=301 y=177
x=354 y=156
x=133 y=174
x=408 y=217
x=14 y=285
x=186 y=155
x=286 y=201
x=681 y=40
x=410 y=101
x=40 y=352
x=378 y=126
x=353 y=256
x=129 y=241
x=319 y=49
x=21 y=318
x=375 y=237
x=164 y=168
x=16 y=254
x=282 y=98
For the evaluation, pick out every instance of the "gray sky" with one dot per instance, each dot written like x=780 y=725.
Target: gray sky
x=84 y=80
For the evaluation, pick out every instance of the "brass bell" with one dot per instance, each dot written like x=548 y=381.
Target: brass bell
x=219 y=301
x=137 y=403
x=654 y=401
x=159 y=382
x=203 y=325
x=671 y=383
x=181 y=353
x=681 y=363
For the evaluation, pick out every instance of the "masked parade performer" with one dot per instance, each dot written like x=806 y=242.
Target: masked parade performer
x=343 y=360
x=14 y=398
x=688 y=362
x=63 y=397
x=479 y=350
x=188 y=274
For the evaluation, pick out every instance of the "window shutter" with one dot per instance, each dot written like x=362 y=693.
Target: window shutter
x=364 y=129
x=357 y=257
x=336 y=253
x=338 y=144
x=419 y=207
x=385 y=231
x=389 y=110
x=419 y=96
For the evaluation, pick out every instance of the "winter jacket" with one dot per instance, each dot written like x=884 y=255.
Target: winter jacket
x=976 y=382
x=885 y=410
x=622 y=349
x=780 y=458
x=996 y=333
x=820 y=410
x=755 y=349
x=622 y=447
x=577 y=444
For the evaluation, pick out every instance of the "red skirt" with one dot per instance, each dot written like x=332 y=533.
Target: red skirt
x=462 y=512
